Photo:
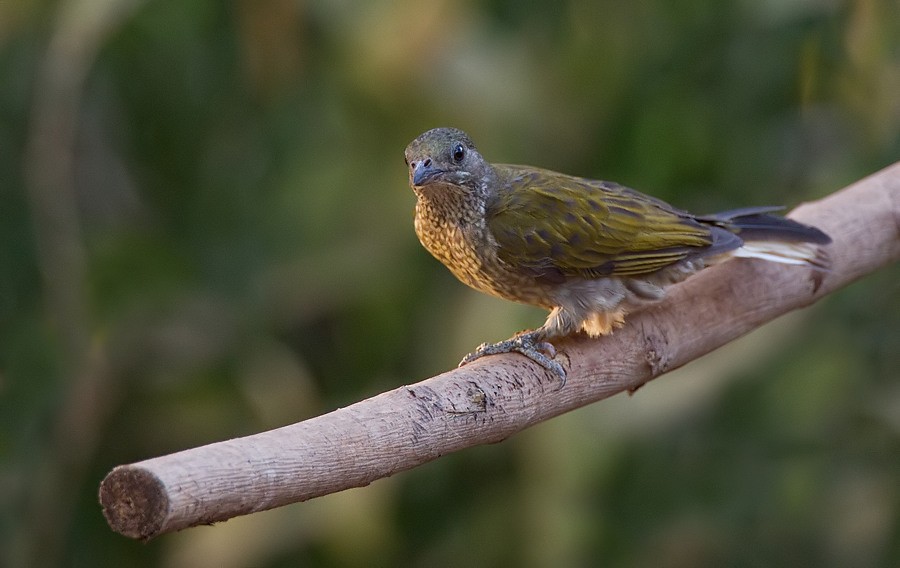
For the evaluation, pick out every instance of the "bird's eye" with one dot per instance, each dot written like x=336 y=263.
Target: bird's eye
x=459 y=152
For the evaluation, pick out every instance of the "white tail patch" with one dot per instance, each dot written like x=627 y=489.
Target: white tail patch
x=805 y=254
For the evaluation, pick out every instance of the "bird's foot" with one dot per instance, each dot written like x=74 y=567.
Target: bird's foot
x=529 y=345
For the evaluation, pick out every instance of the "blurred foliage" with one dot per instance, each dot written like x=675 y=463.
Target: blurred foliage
x=205 y=231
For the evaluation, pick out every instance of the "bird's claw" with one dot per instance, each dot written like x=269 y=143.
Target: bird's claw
x=528 y=344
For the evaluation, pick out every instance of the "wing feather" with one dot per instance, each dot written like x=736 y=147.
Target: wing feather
x=550 y=222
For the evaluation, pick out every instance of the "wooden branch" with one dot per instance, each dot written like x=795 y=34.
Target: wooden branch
x=495 y=397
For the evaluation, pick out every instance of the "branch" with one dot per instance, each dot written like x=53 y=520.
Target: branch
x=495 y=397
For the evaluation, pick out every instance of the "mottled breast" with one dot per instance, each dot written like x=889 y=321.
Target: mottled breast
x=463 y=244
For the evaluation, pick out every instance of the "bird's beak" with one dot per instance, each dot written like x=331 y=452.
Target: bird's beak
x=424 y=172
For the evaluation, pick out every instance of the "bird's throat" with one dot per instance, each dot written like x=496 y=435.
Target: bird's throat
x=451 y=226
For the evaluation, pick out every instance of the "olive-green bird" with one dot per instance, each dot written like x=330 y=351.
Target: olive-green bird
x=587 y=250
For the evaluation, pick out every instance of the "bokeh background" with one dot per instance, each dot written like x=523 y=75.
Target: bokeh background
x=206 y=231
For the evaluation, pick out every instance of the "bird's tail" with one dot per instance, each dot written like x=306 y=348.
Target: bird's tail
x=774 y=238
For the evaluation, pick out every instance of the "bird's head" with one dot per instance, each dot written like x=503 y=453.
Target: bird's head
x=445 y=157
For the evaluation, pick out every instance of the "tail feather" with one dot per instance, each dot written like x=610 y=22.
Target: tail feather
x=806 y=254
x=754 y=224
x=773 y=238
x=731 y=214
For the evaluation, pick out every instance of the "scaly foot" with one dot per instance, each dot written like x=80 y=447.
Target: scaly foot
x=529 y=345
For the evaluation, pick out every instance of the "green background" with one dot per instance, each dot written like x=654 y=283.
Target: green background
x=206 y=231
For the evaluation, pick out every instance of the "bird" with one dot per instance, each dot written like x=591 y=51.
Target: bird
x=589 y=251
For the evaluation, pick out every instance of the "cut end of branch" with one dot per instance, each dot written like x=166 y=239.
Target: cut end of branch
x=134 y=502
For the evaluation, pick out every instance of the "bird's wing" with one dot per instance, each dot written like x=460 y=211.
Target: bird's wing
x=551 y=223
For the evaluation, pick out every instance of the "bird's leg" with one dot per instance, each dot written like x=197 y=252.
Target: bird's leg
x=530 y=344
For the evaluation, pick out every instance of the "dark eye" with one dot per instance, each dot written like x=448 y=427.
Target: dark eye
x=459 y=152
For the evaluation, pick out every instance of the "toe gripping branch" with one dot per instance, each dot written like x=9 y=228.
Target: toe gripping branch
x=528 y=344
